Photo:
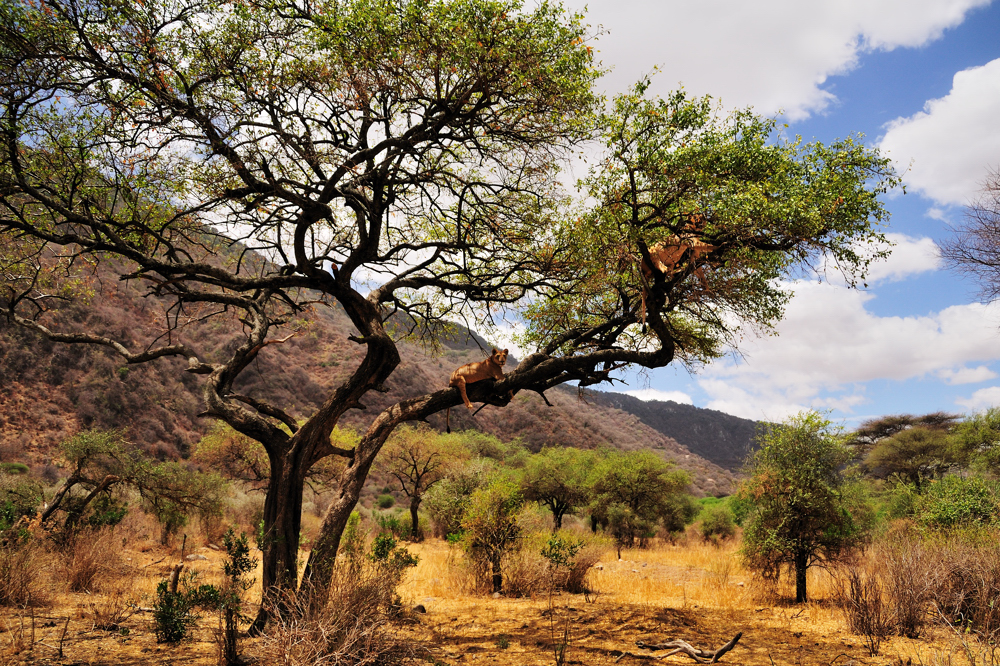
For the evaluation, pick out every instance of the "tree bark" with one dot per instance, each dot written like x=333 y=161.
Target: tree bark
x=801 y=566
x=415 y=534
x=281 y=523
x=497 y=576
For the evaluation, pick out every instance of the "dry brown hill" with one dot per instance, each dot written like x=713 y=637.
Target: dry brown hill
x=50 y=391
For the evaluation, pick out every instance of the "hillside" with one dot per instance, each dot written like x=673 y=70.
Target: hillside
x=724 y=439
x=50 y=391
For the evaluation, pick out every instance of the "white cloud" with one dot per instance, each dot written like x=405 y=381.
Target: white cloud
x=938 y=214
x=772 y=54
x=981 y=399
x=656 y=394
x=966 y=375
x=910 y=256
x=954 y=141
x=829 y=344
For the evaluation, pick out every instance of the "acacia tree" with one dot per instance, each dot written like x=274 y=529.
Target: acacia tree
x=914 y=455
x=559 y=478
x=418 y=458
x=798 y=511
x=873 y=431
x=635 y=491
x=397 y=158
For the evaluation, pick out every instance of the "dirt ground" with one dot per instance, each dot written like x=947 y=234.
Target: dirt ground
x=697 y=594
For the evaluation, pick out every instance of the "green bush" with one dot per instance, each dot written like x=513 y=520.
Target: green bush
x=717 y=522
x=385 y=501
x=957 y=502
x=14 y=468
x=393 y=523
x=107 y=511
x=173 y=611
x=238 y=564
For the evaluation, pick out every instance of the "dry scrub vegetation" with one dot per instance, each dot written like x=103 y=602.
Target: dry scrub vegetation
x=88 y=603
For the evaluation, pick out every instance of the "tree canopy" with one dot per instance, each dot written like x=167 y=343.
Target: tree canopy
x=798 y=511
x=399 y=159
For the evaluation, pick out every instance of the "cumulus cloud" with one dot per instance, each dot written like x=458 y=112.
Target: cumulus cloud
x=966 y=375
x=953 y=142
x=656 y=394
x=910 y=256
x=773 y=54
x=829 y=344
x=981 y=399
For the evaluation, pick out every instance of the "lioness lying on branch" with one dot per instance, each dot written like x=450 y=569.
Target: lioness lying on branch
x=491 y=367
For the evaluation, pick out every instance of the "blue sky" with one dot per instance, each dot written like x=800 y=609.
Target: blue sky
x=921 y=80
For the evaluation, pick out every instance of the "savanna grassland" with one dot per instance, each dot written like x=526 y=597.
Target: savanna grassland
x=692 y=590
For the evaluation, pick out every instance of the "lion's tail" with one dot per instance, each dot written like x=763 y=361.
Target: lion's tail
x=447 y=419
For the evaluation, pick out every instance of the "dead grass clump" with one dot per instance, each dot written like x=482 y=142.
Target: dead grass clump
x=91 y=560
x=968 y=587
x=909 y=573
x=356 y=627
x=115 y=607
x=859 y=592
x=525 y=571
x=591 y=553
x=23 y=579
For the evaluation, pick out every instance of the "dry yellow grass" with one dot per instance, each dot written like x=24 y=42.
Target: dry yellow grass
x=695 y=591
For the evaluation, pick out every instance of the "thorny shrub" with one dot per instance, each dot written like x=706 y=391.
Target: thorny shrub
x=860 y=594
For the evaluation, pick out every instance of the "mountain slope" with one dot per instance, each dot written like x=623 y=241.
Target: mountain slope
x=724 y=439
x=49 y=391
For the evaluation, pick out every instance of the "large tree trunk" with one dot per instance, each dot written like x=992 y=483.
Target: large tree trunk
x=801 y=566
x=318 y=573
x=282 y=522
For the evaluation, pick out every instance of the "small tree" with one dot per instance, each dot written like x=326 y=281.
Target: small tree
x=978 y=437
x=491 y=526
x=418 y=458
x=104 y=461
x=633 y=492
x=448 y=500
x=798 y=513
x=558 y=477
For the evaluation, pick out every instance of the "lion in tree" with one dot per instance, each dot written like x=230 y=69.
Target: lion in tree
x=669 y=257
x=491 y=367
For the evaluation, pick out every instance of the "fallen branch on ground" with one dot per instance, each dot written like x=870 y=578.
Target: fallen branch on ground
x=678 y=646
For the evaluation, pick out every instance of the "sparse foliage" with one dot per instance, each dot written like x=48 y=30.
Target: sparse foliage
x=417 y=458
x=975 y=247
